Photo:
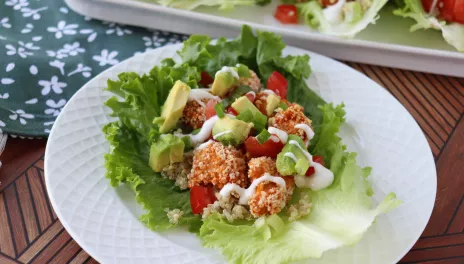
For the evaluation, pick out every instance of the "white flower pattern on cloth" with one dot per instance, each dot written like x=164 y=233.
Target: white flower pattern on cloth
x=23 y=50
x=22 y=116
x=106 y=58
x=47 y=52
x=4 y=22
x=118 y=29
x=52 y=85
x=63 y=29
x=68 y=50
x=17 y=4
x=2 y=124
x=55 y=107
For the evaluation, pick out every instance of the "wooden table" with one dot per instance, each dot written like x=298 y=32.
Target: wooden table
x=31 y=233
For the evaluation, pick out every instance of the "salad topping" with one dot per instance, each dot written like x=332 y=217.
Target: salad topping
x=234 y=163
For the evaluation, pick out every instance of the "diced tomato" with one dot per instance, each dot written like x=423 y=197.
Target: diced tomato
x=232 y=111
x=286 y=14
x=209 y=109
x=206 y=79
x=326 y=3
x=251 y=96
x=200 y=197
x=278 y=84
x=427 y=4
x=459 y=11
x=318 y=159
x=268 y=149
x=446 y=10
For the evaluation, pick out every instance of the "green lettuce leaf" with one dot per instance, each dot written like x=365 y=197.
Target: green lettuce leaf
x=143 y=96
x=349 y=23
x=262 y=54
x=453 y=33
x=128 y=163
x=340 y=214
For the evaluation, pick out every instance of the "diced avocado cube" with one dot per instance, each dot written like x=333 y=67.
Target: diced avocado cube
x=272 y=102
x=286 y=165
x=231 y=131
x=223 y=83
x=173 y=107
x=166 y=150
x=243 y=104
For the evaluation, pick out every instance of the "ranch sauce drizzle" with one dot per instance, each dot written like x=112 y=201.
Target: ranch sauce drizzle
x=245 y=194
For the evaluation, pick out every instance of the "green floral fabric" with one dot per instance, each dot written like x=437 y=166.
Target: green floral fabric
x=48 y=52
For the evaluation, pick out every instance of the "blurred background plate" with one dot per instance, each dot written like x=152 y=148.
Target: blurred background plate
x=387 y=43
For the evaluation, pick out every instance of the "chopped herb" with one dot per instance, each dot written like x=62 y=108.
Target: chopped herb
x=238 y=92
x=246 y=116
x=196 y=131
x=282 y=105
x=243 y=71
x=263 y=136
x=220 y=112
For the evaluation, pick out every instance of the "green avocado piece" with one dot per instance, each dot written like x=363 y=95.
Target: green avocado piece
x=272 y=102
x=286 y=165
x=231 y=131
x=243 y=104
x=223 y=83
x=167 y=150
x=173 y=107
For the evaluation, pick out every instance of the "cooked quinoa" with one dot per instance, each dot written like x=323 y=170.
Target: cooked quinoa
x=229 y=208
x=179 y=171
x=174 y=215
x=301 y=209
x=218 y=165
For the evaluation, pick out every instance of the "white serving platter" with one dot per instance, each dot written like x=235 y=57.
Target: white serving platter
x=386 y=43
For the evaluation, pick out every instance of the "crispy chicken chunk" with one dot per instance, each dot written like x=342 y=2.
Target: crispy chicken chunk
x=254 y=82
x=218 y=165
x=288 y=118
x=194 y=114
x=269 y=197
x=260 y=102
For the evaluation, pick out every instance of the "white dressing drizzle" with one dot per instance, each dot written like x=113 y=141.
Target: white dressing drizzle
x=267 y=91
x=252 y=93
x=274 y=138
x=322 y=177
x=282 y=135
x=292 y=156
x=308 y=131
x=204 y=145
x=433 y=6
x=334 y=13
x=222 y=133
x=204 y=133
x=198 y=94
x=227 y=69
x=245 y=194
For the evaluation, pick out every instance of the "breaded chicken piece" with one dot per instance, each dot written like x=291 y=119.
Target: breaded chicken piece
x=288 y=118
x=218 y=165
x=269 y=197
x=261 y=103
x=194 y=114
x=254 y=82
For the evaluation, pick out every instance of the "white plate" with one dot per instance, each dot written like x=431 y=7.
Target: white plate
x=387 y=43
x=104 y=220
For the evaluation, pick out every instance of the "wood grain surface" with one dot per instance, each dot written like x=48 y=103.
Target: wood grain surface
x=30 y=232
